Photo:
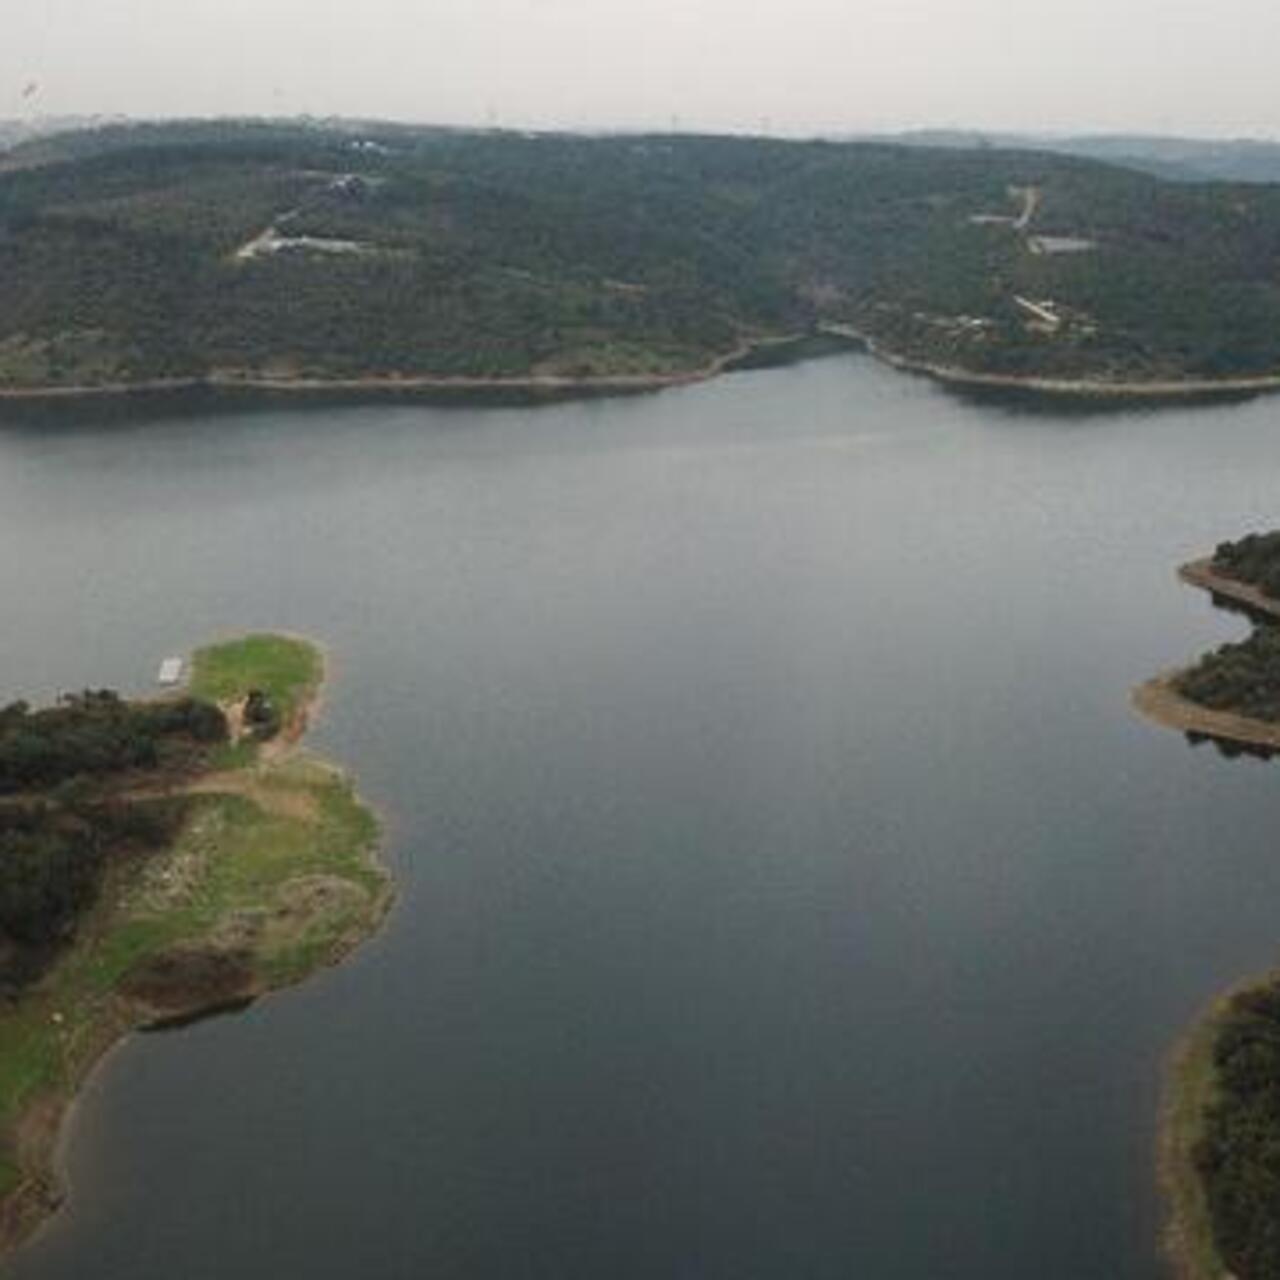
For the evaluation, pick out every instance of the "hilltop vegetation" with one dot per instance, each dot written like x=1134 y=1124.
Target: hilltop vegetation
x=287 y=251
x=1178 y=159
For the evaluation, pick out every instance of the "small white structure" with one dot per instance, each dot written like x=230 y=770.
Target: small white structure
x=1043 y=312
x=170 y=672
x=1060 y=244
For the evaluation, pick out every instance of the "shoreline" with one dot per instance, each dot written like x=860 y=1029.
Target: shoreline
x=1158 y=699
x=1189 y=1087
x=556 y=386
x=1187 y=1236
x=283 y=782
x=1154 y=389
x=1200 y=573
x=380 y=384
x=1189 y=1079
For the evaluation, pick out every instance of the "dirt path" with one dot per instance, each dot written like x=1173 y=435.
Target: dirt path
x=1030 y=206
x=1201 y=573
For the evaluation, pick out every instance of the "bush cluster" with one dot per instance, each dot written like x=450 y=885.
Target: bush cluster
x=1254 y=559
x=1238 y=1156
x=96 y=733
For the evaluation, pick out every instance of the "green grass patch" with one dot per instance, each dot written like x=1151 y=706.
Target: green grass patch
x=233 y=755
x=31 y=1058
x=288 y=670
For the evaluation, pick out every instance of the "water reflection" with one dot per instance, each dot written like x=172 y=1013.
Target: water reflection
x=1231 y=749
x=1229 y=604
x=1027 y=401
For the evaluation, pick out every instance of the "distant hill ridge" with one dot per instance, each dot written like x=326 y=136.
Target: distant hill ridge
x=302 y=251
x=1178 y=159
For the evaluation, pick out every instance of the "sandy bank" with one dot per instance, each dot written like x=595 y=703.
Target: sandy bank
x=1159 y=701
x=1200 y=573
x=556 y=385
x=1080 y=388
x=381 y=384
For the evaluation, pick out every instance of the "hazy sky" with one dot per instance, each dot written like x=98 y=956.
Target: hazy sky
x=1185 y=66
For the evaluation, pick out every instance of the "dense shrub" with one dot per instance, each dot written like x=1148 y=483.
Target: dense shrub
x=1238 y=1158
x=96 y=733
x=52 y=856
x=1243 y=678
x=1254 y=559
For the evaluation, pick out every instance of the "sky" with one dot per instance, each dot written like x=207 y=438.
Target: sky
x=789 y=67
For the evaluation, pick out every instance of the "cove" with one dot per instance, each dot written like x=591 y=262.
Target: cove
x=785 y=885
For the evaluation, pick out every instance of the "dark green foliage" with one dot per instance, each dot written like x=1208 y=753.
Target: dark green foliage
x=499 y=254
x=96 y=734
x=261 y=715
x=48 y=873
x=1242 y=678
x=1238 y=1157
x=60 y=821
x=1254 y=559
x=52 y=857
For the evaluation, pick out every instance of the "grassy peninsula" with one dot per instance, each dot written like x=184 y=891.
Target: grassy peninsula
x=371 y=256
x=225 y=865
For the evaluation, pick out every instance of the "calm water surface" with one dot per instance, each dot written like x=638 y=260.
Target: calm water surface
x=786 y=888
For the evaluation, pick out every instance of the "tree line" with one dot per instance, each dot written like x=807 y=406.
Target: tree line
x=1238 y=1154
x=95 y=733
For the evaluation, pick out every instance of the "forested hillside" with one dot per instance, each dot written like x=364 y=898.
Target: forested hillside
x=248 y=250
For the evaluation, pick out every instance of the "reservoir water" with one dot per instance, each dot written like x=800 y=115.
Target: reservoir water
x=786 y=888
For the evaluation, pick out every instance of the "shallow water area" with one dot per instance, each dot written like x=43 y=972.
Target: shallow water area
x=786 y=887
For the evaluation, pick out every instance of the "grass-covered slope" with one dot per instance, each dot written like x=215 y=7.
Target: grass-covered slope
x=268 y=873
x=288 y=668
x=288 y=252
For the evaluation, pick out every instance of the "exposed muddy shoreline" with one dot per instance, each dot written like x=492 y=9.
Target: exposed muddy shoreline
x=469 y=388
